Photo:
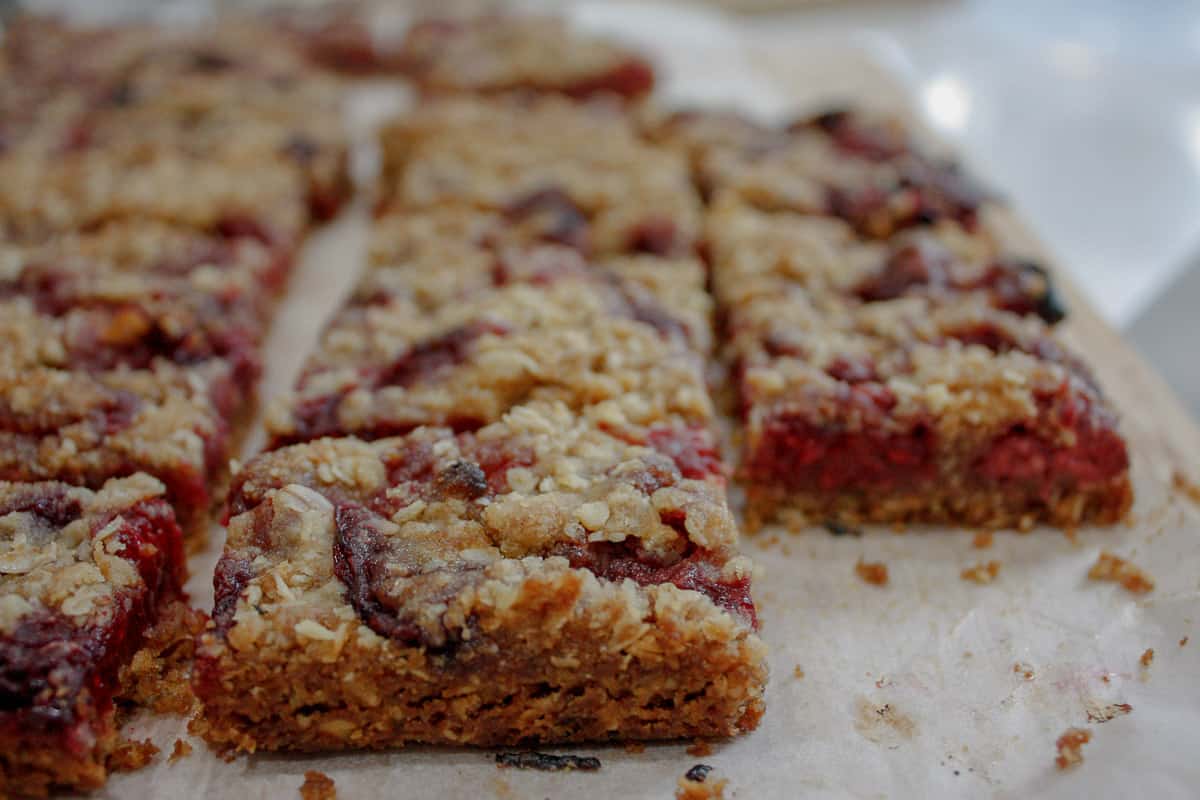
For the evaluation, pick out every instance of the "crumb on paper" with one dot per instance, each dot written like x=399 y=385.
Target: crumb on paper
x=698 y=784
x=1189 y=488
x=874 y=573
x=635 y=747
x=1024 y=670
x=1109 y=567
x=981 y=573
x=181 y=750
x=798 y=672
x=318 y=786
x=982 y=540
x=1110 y=711
x=699 y=748
x=546 y=761
x=1147 y=658
x=131 y=754
x=1070 y=747
x=1183 y=642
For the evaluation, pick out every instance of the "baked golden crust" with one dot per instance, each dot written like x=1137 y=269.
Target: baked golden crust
x=415 y=583
x=445 y=254
x=567 y=166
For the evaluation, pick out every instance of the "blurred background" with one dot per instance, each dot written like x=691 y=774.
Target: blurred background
x=1085 y=113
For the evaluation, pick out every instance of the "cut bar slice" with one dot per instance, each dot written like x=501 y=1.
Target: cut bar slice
x=860 y=427
x=576 y=171
x=41 y=196
x=539 y=580
x=83 y=576
x=764 y=255
x=386 y=368
x=84 y=428
x=865 y=170
x=499 y=53
x=896 y=381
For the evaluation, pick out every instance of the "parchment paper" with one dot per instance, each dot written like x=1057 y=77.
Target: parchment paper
x=909 y=690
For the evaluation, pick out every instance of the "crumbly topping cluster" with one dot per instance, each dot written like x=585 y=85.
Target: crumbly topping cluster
x=61 y=549
x=506 y=52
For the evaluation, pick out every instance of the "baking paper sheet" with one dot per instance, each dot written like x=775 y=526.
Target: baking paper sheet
x=907 y=690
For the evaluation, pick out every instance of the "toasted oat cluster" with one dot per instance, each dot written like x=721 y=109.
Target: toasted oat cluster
x=859 y=168
x=578 y=172
x=904 y=371
x=540 y=579
x=83 y=576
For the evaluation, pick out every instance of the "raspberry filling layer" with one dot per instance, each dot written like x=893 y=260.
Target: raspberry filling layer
x=57 y=676
x=793 y=451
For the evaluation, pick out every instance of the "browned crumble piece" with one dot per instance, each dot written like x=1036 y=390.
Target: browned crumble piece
x=874 y=573
x=181 y=750
x=798 y=672
x=1105 y=713
x=131 y=755
x=1109 y=567
x=1024 y=670
x=159 y=676
x=1183 y=642
x=982 y=540
x=700 y=748
x=1147 y=658
x=1188 y=487
x=981 y=573
x=698 y=784
x=1070 y=747
x=318 y=786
